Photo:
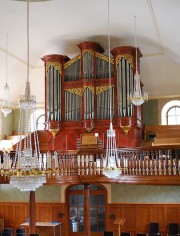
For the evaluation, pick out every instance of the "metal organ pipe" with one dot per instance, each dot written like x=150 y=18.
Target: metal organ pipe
x=48 y=95
x=88 y=65
x=51 y=93
x=53 y=99
x=55 y=96
x=125 y=87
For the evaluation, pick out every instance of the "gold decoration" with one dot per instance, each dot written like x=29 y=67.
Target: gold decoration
x=104 y=57
x=77 y=91
x=54 y=132
x=89 y=87
x=72 y=61
x=128 y=57
x=56 y=65
x=90 y=51
x=101 y=89
x=126 y=129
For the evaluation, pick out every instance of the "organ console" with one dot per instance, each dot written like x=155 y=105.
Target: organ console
x=77 y=96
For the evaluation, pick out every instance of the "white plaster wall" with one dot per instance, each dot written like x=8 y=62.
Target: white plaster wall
x=43 y=194
x=145 y=194
x=115 y=193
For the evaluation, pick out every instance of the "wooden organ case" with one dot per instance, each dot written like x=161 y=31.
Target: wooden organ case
x=77 y=97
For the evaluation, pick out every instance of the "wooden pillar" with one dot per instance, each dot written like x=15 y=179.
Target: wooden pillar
x=32 y=213
x=87 y=227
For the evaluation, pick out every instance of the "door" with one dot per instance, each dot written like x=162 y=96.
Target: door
x=76 y=213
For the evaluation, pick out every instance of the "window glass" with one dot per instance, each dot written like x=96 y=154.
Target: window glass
x=41 y=122
x=171 y=108
x=39 y=117
x=173 y=116
x=80 y=200
x=73 y=200
x=97 y=208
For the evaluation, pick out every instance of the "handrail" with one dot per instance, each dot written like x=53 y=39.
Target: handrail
x=162 y=160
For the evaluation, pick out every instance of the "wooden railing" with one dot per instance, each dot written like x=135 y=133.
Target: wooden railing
x=150 y=165
x=152 y=161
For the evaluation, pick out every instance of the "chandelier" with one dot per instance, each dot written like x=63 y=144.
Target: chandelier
x=28 y=174
x=137 y=98
x=6 y=108
x=110 y=169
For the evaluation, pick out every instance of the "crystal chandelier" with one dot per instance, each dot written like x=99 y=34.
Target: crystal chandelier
x=6 y=108
x=111 y=169
x=29 y=174
x=137 y=97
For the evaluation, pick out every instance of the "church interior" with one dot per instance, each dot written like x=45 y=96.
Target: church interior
x=90 y=118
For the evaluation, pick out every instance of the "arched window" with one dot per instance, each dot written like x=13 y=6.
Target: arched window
x=173 y=116
x=170 y=114
x=41 y=122
x=39 y=116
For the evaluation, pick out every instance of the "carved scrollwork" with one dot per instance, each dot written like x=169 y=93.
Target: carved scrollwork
x=89 y=87
x=104 y=57
x=72 y=61
x=129 y=58
x=101 y=89
x=56 y=65
x=77 y=91
x=90 y=51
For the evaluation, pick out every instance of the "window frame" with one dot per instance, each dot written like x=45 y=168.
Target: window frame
x=175 y=116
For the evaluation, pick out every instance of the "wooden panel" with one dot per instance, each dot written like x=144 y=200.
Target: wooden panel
x=9 y=216
x=157 y=216
x=173 y=214
x=1 y=225
x=138 y=216
x=114 y=211
x=129 y=215
x=142 y=218
x=16 y=213
x=44 y=213
x=20 y=212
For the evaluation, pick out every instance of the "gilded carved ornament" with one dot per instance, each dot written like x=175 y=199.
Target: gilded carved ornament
x=56 y=65
x=80 y=91
x=77 y=91
x=89 y=87
x=90 y=51
x=101 y=89
x=72 y=61
x=104 y=57
x=128 y=57
x=126 y=129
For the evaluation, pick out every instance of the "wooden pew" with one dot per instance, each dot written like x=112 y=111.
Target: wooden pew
x=167 y=135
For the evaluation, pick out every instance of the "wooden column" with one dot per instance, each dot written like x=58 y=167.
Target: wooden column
x=32 y=213
x=87 y=227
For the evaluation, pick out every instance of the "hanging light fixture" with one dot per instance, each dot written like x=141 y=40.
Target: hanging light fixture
x=137 y=98
x=110 y=169
x=29 y=173
x=6 y=108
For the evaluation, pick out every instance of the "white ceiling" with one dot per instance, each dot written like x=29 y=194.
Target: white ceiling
x=57 y=26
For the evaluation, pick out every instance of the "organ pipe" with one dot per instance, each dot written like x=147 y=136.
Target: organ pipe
x=53 y=99
x=124 y=88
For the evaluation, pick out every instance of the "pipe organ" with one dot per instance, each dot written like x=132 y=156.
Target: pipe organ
x=77 y=95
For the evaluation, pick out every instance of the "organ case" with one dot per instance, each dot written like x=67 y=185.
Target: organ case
x=77 y=96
